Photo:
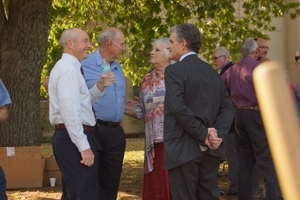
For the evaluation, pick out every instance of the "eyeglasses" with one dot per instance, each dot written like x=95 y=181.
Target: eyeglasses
x=297 y=58
x=215 y=58
x=264 y=47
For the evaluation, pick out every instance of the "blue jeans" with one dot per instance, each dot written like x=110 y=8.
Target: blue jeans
x=2 y=185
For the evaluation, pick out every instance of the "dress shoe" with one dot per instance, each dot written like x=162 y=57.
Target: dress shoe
x=230 y=193
x=222 y=193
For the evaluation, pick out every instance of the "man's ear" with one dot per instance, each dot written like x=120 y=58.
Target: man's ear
x=70 y=43
x=184 y=44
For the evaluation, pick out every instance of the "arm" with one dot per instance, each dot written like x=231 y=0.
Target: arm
x=225 y=115
x=45 y=83
x=3 y=113
x=4 y=101
x=98 y=89
x=132 y=108
x=130 y=111
x=69 y=87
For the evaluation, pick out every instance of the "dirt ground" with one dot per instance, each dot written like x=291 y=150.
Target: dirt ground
x=131 y=179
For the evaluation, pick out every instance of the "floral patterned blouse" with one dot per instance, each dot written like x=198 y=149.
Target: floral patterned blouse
x=151 y=108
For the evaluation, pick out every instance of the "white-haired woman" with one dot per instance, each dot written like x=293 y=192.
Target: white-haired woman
x=151 y=108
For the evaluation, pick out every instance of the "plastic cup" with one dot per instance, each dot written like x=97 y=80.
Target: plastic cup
x=52 y=182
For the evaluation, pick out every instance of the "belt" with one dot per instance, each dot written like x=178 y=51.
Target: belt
x=85 y=127
x=248 y=107
x=109 y=124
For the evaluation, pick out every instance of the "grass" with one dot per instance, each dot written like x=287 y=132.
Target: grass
x=131 y=178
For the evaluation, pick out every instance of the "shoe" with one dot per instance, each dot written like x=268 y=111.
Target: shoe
x=222 y=193
x=230 y=193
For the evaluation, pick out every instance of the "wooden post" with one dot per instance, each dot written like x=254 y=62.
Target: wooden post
x=281 y=122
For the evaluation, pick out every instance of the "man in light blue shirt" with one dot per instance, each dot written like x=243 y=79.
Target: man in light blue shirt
x=109 y=111
x=4 y=101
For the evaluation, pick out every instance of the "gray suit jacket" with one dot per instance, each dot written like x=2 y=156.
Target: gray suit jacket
x=195 y=100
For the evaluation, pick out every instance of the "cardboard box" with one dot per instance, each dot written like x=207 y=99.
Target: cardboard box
x=51 y=171
x=23 y=166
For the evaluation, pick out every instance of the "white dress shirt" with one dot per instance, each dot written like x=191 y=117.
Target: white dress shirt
x=70 y=100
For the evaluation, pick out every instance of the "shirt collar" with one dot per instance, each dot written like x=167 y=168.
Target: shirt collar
x=225 y=64
x=99 y=61
x=73 y=59
x=187 y=54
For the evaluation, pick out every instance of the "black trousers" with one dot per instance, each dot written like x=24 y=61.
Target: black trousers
x=197 y=179
x=253 y=148
x=79 y=182
x=111 y=145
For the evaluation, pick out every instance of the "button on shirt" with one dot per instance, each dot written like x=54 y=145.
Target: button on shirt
x=238 y=79
x=4 y=95
x=70 y=100
x=110 y=107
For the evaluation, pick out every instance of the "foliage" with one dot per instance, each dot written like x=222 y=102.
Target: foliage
x=221 y=22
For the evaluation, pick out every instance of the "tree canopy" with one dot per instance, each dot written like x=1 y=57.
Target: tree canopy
x=30 y=31
x=221 y=22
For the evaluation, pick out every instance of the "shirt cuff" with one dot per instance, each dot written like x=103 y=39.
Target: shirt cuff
x=95 y=93
x=83 y=145
x=139 y=111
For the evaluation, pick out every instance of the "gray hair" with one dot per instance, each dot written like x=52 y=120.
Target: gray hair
x=106 y=35
x=190 y=34
x=67 y=34
x=249 y=46
x=223 y=51
x=163 y=42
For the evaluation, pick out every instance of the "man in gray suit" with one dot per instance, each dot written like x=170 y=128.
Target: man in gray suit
x=198 y=115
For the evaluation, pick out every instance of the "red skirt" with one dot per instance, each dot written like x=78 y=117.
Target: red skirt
x=156 y=183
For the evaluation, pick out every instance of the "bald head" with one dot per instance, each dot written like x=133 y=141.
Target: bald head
x=68 y=34
x=75 y=42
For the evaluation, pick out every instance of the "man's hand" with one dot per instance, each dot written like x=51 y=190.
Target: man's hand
x=101 y=83
x=132 y=102
x=87 y=157
x=212 y=139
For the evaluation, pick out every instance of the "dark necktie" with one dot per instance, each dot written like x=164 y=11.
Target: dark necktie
x=81 y=70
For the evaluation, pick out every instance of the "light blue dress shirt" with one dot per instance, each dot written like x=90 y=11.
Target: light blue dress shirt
x=110 y=106
x=4 y=95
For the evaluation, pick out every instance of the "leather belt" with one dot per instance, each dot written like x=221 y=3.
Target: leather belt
x=248 y=107
x=85 y=127
x=109 y=124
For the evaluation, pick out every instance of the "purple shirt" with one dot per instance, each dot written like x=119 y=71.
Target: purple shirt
x=238 y=79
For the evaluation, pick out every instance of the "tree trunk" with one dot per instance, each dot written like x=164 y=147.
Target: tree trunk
x=23 y=47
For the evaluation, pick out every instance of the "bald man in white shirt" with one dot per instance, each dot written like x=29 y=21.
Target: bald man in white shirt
x=70 y=111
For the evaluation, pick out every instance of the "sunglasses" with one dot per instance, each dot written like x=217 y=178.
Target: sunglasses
x=297 y=58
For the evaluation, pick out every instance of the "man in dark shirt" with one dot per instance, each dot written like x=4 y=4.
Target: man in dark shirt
x=221 y=59
x=251 y=140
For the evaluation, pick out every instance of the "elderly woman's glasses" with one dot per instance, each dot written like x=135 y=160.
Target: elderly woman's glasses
x=297 y=58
